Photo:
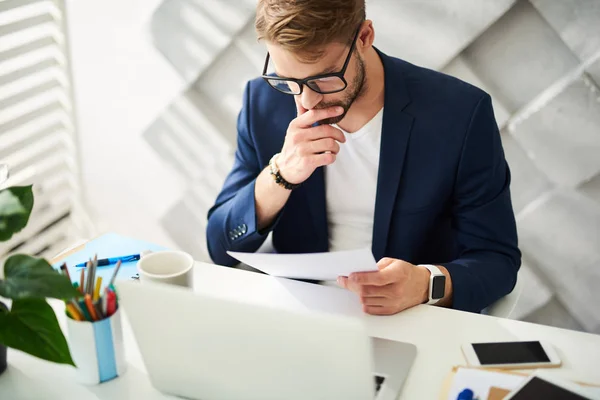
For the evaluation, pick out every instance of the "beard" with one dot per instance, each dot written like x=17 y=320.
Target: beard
x=359 y=86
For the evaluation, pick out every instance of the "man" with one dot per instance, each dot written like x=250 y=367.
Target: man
x=346 y=147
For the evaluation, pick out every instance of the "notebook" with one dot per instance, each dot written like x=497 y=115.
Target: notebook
x=105 y=246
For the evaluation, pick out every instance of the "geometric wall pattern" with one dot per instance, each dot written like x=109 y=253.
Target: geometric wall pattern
x=538 y=59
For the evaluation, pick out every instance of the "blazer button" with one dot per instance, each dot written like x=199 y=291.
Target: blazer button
x=244 y=228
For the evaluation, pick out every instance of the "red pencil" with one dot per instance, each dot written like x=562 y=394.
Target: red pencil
x=111 y=305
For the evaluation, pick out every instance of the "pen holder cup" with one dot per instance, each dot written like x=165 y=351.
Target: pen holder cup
x=97 y=349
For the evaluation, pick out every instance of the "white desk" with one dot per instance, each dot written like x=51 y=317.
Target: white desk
x=437 y=333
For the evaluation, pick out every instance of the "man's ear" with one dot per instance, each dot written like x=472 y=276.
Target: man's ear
x=366 y=37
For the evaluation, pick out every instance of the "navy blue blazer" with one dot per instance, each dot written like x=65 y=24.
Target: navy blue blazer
x=442 y=188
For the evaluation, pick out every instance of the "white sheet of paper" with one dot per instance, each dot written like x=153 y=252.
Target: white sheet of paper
x=480 y=381
x=316 y=266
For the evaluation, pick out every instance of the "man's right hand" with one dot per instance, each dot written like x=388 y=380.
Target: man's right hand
x=306 y=147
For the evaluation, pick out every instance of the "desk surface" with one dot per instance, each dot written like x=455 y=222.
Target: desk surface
x=437 y=333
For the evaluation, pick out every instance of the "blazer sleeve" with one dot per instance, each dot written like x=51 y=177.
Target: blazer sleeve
x=232 y=219
x=483 y=217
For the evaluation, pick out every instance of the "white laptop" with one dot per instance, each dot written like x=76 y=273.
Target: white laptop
x=207 y=348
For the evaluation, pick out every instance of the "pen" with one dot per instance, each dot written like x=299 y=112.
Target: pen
x=466 y=394
x=113 y=260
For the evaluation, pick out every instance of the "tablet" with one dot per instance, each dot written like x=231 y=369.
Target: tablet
x=547 y=388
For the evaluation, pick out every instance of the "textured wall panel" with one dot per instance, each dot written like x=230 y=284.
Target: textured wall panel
x=594 y=71
x=554 y=313
x=535 y=293
x=563 y=137
x=520 y=56
x=576 y=21
x=561 y=237
x=528 y=182
x=591 y=188
x=431 y=33
x=191 y=33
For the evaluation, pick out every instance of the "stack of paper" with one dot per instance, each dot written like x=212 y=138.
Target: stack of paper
x=315 y=266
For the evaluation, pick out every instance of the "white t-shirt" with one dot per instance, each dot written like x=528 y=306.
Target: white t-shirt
x=351 y=187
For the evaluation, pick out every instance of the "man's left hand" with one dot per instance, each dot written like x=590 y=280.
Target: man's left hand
x=397 y=285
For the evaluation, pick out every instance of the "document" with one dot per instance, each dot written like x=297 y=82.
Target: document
x=314 y=266
x=480 y=381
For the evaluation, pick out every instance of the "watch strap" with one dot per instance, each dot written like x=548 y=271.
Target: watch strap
x=435 y=271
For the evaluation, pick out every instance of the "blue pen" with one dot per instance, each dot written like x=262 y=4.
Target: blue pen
x=113 y=260
x=466 y=394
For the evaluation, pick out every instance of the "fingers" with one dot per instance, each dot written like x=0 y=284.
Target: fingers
x=303 y=137
x=321 y=160
x=300 y=110
x=377 y=301
x=318 y=146
x=384 y=262
x=390 y=270
x=379 y=310
x=374 y=278
x=308 y=118
x=322 y=146
x=364 y=291
x=322 y=132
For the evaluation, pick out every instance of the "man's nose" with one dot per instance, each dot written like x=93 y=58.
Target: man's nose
x=309 y=98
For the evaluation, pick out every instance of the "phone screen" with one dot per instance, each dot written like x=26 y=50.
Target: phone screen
x=540 y=389
x=510 y=353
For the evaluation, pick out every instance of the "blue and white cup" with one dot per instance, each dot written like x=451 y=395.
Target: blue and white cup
x=97 y=349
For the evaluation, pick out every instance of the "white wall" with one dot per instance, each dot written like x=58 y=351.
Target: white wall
x=121 y=84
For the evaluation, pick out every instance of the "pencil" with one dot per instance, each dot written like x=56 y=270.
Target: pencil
x=104 y=301
x=88 y=284
x=90 y=307
x=97 y=288
x=77 y=307
x=98 y=309
x=65 y=270
x=114 y=275
x=82 y=281
x=74 y=313
x=85 y=311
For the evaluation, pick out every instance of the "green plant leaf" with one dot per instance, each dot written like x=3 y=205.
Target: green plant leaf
x=26 y=276
x=16 y=204
x=31 y=326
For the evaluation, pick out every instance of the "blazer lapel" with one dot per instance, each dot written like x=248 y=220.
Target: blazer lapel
x=394 y=142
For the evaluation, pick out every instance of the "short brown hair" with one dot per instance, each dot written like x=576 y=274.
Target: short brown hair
x=304 y=26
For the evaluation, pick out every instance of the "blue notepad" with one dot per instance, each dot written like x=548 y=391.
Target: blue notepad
x=105 y=246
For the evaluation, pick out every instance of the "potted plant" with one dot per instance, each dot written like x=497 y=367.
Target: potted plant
x=30 y=324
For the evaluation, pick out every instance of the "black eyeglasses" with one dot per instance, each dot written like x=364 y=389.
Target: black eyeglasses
x=324 y=84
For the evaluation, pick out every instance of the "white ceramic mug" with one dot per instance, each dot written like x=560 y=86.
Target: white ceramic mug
x=173 y=267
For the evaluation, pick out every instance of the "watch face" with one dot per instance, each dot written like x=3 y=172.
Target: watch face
x=439 y=287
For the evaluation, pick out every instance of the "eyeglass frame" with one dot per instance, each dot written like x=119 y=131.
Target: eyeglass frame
x=303 y=82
